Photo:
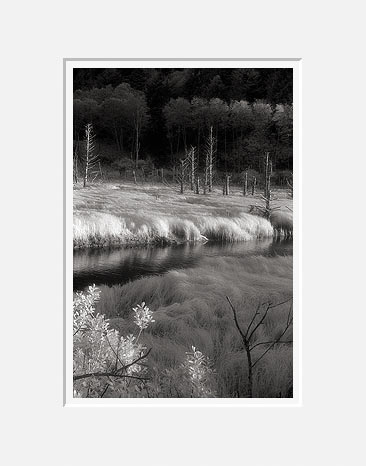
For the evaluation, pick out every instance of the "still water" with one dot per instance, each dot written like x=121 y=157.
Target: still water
x=118 y=266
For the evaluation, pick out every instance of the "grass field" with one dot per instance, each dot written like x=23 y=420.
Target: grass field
x=190 y=308
x=123 y=213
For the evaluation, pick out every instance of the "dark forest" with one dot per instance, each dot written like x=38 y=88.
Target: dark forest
x=155 y=115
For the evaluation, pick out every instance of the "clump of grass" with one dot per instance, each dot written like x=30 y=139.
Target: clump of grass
x=282 y=222
x=98 y=229
x=243 y=228
x=185 y=230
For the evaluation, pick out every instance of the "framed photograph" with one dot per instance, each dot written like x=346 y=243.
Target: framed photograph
x=179 y=182
x=182 y=184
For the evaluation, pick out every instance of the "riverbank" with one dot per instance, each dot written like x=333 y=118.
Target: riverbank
x=111 y=214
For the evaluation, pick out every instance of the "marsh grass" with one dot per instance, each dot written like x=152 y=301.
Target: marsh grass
x=190 y=310
x=282 y=221
x=108 y=214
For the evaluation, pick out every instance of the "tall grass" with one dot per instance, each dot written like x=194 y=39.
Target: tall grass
x=103 y=229
x=106 y=214
x=190 y=309
x=282 y=222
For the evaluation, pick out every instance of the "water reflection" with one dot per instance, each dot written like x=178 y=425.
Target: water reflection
x=112 y=266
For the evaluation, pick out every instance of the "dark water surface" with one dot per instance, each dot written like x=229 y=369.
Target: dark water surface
x=118 y=266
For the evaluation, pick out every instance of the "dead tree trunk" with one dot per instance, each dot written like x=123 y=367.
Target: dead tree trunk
x=226 y=187
x=197 y=185
x=91 y=159
x=76 y=167
x=245 y=186
x=137 y=124
x=267 y=184
x=182 y=176
x=205 y=180
x=266 y=169
x=87 y=155
x=254 y=183
x=193 y=166
x=210 y=155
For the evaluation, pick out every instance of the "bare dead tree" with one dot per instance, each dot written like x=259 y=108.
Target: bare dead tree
x=75 y=166
x=181 y=176
x=143 y=175
x=249 y=333
x=100 y=169
x=192 y=160
x=187 y=171
x=245 y=184
x=76 y=160
x=254 y=184
x=267 y=185
x=91 y=159
x=210 y=152
x=185 y=166
x=226 y=186
x=290 y=185
x=266 y=207
x=197 y=191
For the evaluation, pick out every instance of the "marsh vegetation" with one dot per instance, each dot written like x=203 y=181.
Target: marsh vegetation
x=186 y=284
x=182 y=235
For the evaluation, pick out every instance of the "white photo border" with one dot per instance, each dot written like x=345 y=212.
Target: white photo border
x=68 y=65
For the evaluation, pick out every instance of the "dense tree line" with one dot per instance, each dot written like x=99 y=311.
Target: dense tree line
x=160 y=113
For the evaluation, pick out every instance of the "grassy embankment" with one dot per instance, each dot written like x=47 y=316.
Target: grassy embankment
x=111 y=214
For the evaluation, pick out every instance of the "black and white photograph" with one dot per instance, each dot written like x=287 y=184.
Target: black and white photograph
x=183 y=229
x=182 y=222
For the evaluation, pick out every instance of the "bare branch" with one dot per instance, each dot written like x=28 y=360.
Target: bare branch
x=115 y=353
x=289 y=322
x=107 y=374
x=269 y=342
x=260 y=321
x=253 y=318
x=236 y=321
x=143 y=356
x=272 y=306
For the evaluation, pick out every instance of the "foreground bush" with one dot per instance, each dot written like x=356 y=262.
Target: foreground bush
x=104 y=360
x=108 y=364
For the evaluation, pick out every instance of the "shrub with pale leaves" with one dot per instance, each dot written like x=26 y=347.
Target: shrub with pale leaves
x=103 y=359
x=108 y=364
x=193 y=378
x=198 y=368
x=143 y=316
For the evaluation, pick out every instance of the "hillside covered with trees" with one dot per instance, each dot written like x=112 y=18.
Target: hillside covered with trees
x=158 y=114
